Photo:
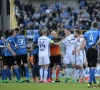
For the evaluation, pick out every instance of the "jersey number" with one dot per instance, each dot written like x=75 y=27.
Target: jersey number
x=21 y=41
x=41 y=44
x=91 y=37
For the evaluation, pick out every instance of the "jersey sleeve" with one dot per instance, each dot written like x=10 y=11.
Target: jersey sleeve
x=64 y=41
x=35 y=39
x=10 y=41
x=51 y=41
x=84 y=35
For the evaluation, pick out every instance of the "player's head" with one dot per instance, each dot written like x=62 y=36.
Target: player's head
x=54 y=34
x=6 y=33
x=94 y=24
x=67 y=31
x=12 y=32
x=17 y=30
x=44 y=32
x=76 y=32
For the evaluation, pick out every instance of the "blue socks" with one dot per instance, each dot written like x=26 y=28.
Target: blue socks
x=4 y=71
x=48 y=76
x=27 y=73
x=17 y=73
x=8 y=74
x=92 y=75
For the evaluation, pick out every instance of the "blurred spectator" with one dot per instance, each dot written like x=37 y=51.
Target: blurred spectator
x=72 y=21
x=64 y=5
x=22 y=27
x=23 y=6
x=17 y=3
x=20 y=20
x=57 y=18
x=70 y=8
x=73 y=13
x=48 y=10
x=42 y=17
x=86 y=21
x=90 y=8
x=82 y=3
x=51 y=6
x=85 y=14
x=36 y=14
x=57 y=6
x=29 y=27
x=63 y=15
x=29 y=6
x=25 y=20
x=44 y=6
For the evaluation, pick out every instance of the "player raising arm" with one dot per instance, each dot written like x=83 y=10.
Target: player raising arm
x=92 y=38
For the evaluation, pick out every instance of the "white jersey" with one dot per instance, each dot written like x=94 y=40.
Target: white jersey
x=43 y=43
x=78 y=43
x=69 y=42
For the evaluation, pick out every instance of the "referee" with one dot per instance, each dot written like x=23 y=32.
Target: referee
x=92 y=38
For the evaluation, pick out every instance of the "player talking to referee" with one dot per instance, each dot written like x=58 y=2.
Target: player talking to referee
x=92 y=39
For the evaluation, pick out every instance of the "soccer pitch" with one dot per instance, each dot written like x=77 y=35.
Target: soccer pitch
x=46 y=86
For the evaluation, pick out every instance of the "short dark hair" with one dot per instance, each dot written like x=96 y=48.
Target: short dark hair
x=11 y=31
x=6 y=33
x=95 y=24
x=68 y=29
x=17 y=29
x=77 y=28
x=77 y=31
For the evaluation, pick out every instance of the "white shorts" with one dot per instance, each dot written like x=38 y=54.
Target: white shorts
x=69 y=58
x=44 y=60
x=80 y=60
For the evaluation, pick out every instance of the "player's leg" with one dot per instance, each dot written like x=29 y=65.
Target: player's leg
x=77 y=68
x=52 y=58
x=35 y=67
x=92 y=64
x=41 y=68
x=24 y=60
x=46 y=62
x=15 y=66
x=81 y=67
x=84 y=70
x=66 y=62
x=58 y=63
x=8 y=73
x=72 y=59
x=18 y=60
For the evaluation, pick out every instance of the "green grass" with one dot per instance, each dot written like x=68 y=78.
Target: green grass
x=46 y=86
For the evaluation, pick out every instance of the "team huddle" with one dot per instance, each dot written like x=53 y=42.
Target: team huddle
x=47 y=54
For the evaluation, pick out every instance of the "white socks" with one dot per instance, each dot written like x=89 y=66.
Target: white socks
x=45 y=74
x=41 y=73
x=77 y=74
x=66 y=72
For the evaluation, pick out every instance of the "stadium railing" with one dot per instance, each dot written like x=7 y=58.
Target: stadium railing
x=13 y=22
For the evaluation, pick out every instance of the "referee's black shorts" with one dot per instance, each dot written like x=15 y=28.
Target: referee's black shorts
x=92 y=57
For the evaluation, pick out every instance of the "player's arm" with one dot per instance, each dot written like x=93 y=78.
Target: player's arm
x=81 y=46
x=9 y=48
x=98 y=42
x=3 y=39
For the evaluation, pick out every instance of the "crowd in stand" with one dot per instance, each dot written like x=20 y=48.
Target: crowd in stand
x=57 y=15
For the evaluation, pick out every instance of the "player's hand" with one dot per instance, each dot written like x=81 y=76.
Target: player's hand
x=14 y=54
x=73 y=52
x=16 y=46
x=2 y=38
x=94 y=46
